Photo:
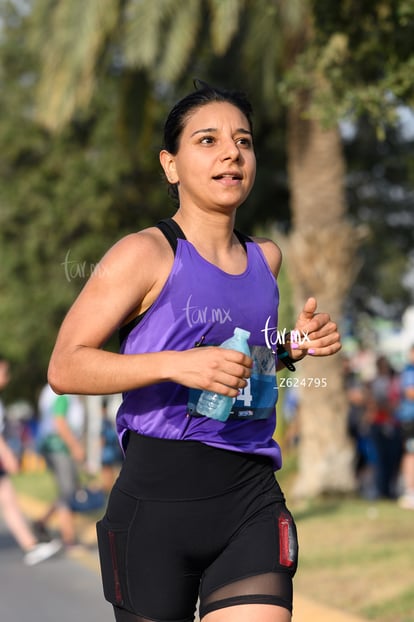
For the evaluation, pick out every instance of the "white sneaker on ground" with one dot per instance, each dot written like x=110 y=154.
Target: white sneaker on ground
x=41 y=552
x=406 y=502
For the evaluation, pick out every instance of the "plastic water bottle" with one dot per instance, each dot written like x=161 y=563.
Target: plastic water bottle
x=215 y=405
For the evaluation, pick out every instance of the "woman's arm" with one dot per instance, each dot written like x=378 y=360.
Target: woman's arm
x=120 y=287
x=318 y=333
x=125 y=283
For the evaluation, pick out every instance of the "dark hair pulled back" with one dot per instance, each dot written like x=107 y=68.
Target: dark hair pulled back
x=203 y=95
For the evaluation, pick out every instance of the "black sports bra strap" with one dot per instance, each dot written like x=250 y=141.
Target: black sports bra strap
x=172 y=231
x=243 y=238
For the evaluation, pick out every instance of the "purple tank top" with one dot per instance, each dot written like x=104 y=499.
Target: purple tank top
x=199 y=300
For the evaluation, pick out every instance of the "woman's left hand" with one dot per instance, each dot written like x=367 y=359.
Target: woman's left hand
x=314 y=333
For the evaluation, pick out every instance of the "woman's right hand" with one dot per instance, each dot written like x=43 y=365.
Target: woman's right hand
x=211 y=368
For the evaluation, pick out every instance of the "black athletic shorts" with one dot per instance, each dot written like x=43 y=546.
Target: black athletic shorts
x=187 y=521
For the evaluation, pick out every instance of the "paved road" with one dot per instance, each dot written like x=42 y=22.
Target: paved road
x=63 y=588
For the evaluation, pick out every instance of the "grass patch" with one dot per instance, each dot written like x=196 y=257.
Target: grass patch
x=39 y=484
x=356 y=555
x=401 y=610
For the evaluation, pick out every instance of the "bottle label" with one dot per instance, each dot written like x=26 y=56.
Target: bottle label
x=258 y=399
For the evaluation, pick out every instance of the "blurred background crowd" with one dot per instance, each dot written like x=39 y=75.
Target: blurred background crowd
x=91 y=420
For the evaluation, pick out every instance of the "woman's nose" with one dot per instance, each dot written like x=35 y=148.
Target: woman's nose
x=230 y=151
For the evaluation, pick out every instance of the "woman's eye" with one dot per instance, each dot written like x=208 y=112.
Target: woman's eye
x=207 y=140
x=245 y=142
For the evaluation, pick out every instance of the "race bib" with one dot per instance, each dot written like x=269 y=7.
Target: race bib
x=258 y=399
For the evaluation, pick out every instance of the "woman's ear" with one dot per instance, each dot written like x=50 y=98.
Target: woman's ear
x=168 y=164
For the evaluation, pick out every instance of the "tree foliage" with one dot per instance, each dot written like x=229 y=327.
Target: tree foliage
x=363 y=51
x=64 y=199
x=380 y=183
x=67 y=196
x=155 y=36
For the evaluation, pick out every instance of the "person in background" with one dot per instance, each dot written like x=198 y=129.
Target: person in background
x=383 y=400
x=291 y=405
x=406 y=417
x=59 y=439
x=111 y=452
x=358 y=427
x=34 y=550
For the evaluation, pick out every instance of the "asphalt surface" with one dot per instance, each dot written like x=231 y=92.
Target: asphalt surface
x=61 y=589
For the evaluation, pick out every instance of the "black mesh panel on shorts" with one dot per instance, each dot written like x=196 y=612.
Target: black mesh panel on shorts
x=270 y=588
x=122 y=615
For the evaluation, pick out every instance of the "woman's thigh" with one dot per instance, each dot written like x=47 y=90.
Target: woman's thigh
x=257 y=566
x=249 y=613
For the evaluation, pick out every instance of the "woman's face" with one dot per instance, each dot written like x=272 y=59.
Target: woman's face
x=215 y=165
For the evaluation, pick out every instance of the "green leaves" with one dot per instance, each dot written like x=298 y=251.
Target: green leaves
x=71 y=38
x=224 y=22
x=142 y=27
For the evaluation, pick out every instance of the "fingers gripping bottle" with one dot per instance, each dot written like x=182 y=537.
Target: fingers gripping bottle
x=215 y=405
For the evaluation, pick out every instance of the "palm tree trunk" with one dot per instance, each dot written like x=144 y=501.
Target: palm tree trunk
x=320 y=252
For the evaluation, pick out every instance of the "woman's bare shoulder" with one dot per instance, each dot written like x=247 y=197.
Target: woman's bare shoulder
x=124 y=283
x=140 y=243
x=271 y=251
x=147 y=247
